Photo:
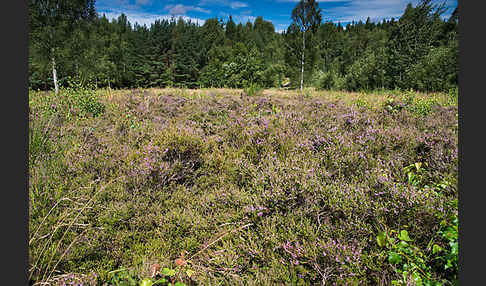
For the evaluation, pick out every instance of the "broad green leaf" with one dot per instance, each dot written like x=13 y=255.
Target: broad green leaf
x=454 y=248
x=146 y=282
x=411 y=176
x=404 y=236
x=161 y=280
x=381 y=239
x=436 y=249
x=404 y=246
x=168 y=272
x=448 y=265
x=416 y=276
x=394 y=258
x=179 y=284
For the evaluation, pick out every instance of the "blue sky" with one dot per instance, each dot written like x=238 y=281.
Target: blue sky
x=277 y=11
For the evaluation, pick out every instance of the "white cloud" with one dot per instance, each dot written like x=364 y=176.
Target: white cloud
x=239 y=18
x=244 y=18
x=142 y=2
x=145 y=18
x=377 y=10
x=228 y=3
x=180 y=9
x=237 y=4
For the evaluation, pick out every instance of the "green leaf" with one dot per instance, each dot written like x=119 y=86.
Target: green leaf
x=404 y=236
x=189 y=272
x=454 y=248
x=394 y=258
x=179 y=284
x=146 y=282
x=161 y=280
x=381 y=239
x=418 y=165
x=168 y=272
x=436 y=249
x=448 y=265
x=411 y=176
x=404 y=246
x=416 y=277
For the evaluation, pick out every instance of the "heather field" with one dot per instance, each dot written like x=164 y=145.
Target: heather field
x=233 y=187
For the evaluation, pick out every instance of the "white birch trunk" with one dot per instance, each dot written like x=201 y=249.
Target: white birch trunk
x=54 y=75
x=302 y=62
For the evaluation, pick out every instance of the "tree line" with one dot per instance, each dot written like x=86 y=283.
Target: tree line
x=70 y=41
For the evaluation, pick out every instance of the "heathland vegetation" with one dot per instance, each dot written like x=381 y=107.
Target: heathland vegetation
x=267 y=189
x=170 y=156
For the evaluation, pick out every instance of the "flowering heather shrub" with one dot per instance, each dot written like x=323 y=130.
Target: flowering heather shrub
x=346 y=258
x=259 y=190
x=171 y=158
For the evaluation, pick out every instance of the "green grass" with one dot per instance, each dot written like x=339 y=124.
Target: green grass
x=273 y=188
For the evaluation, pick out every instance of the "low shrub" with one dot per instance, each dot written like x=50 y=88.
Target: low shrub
x=265 y=190
x=253 y=90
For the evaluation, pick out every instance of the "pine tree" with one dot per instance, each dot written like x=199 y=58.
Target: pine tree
x=230 y=31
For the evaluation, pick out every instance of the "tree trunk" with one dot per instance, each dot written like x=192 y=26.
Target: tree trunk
x=54 y=75
x=302 y=62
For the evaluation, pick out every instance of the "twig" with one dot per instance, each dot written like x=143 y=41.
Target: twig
x=67 y=249
x=218 y=239
x=62 y=238
x=33 y=236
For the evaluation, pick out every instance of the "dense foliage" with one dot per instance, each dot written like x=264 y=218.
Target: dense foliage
x=418 y=51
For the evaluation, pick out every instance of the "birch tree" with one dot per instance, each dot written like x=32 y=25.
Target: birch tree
x=307 y=16
x=51 y=22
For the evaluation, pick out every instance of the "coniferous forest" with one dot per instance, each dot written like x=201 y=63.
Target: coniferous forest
x=418 y=51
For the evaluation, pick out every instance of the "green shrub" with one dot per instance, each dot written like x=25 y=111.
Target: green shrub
x=453 y=96
x=125 y=277
x=446 y=256
x=413 y=263
x=324 y=80
x=410 y=261
x=84 y=99
x=39 y=143
x=253 y=90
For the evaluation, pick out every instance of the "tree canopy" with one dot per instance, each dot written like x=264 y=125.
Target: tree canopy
x=419 y=50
